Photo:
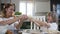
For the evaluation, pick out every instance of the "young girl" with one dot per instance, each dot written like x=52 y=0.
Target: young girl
x=52 y=21
x=50 y=24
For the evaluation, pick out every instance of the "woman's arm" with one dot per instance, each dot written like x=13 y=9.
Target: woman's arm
x=19 y=25
x=21 y=22
x=10 y=21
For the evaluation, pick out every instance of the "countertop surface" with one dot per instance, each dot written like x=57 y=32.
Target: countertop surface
x=29 y=31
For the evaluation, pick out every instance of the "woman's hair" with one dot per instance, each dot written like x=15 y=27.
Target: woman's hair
x=52 y=15
x=4 y=9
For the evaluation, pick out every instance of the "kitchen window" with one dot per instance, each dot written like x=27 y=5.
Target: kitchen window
x=26 y=8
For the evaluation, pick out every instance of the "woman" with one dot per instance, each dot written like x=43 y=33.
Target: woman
x=52 y=21
x=7 y=20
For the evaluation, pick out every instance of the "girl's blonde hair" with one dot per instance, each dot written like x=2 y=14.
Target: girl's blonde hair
x=52 y=15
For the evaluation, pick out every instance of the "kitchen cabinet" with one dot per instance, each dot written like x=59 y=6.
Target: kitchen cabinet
x=0 y=5
x=5 y=1
x=58 y=14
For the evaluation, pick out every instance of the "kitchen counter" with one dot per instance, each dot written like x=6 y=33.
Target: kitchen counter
x=29 y=31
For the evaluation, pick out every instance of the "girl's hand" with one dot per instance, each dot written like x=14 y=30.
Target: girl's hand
x=30 y=18
x=47 y=25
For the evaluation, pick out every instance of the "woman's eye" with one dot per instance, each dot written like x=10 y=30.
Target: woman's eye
x=12 y=9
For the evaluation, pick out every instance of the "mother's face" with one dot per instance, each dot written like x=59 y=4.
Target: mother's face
x=10 y=10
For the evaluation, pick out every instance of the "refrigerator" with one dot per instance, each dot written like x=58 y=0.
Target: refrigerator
x=58 y=15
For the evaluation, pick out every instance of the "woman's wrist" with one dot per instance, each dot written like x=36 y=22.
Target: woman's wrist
x=16 y=18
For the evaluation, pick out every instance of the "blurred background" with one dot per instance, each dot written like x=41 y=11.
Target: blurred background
x=34 y=8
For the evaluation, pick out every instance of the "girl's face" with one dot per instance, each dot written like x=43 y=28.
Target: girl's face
x=49 y=19
x=10 y=10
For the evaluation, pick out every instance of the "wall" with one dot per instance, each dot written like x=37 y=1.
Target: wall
x=16 y=2
x=41 y=8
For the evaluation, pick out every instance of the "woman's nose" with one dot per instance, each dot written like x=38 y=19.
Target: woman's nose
x=11 y=11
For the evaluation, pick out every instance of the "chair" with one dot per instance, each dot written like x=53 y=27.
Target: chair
x=33 y=25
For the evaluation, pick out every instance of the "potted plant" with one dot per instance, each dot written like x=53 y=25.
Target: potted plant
x=18 y=13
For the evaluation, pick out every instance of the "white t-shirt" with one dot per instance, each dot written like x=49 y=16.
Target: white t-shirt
x=4 y=28
x=53 y=26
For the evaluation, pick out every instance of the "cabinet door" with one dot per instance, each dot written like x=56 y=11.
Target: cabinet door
x=0 y=5
x=58 y=9
x=8 y=1
x=58 y=14
x=5 y=1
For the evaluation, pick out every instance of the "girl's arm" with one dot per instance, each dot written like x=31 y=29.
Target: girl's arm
x=38 y=22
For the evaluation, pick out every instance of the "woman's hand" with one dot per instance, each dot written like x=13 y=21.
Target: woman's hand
x=21 y=19
x=24 y=17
